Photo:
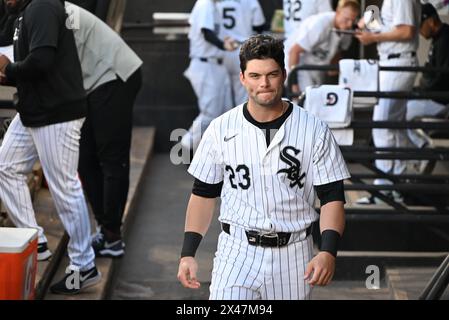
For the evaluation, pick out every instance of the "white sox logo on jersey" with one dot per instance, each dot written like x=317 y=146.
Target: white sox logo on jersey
x=294 y=170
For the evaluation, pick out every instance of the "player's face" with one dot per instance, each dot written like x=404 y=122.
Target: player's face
x=345 y=18
x=12 y=6
x=263 y=79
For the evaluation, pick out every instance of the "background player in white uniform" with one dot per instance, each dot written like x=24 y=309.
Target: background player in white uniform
x=266 y=158
x=397 y=45
x=316 y=43
x=295 y=12
x=206 y=71
x=239 y=20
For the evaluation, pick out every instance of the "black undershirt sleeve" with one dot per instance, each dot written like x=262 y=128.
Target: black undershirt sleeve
x=34 y=66
x=331 y=192
x=212 y=38
x=259 y=29
x=206 y=190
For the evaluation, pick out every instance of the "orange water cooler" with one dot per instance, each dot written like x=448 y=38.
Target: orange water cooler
x=18 y=262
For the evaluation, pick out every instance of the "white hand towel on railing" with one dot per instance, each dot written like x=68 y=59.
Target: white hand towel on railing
x=359 y=75
x=330 y=103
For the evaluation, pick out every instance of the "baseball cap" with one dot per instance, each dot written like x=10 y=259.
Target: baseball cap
x=428 y=11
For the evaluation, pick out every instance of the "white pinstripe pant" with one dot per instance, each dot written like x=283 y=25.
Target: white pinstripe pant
x=57 y=147
x=245 y=272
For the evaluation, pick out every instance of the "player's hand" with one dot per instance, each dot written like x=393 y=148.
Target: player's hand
x=366 y=38
x=4 y=61
x=320 y=269
x=361 y=24
x=187 y=271
x=295 y=88
x=3 y=79
x=230 y=44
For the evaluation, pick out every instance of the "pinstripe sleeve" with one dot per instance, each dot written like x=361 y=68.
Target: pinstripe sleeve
x=328 y=163
x=207 y=164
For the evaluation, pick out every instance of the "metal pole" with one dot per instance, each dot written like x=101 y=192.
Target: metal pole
x=405 y=187
x=436 y=286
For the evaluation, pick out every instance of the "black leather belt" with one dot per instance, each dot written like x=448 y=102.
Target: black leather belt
x=217 y=60
x=398 y=55
x=256 y=238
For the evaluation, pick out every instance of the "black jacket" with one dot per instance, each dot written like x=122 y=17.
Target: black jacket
x=438 y=58
x=55 y=94
x=6 y=27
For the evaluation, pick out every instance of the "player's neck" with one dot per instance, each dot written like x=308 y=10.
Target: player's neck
x=266 y=114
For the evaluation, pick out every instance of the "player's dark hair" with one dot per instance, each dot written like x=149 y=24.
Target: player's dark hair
x=261 y=47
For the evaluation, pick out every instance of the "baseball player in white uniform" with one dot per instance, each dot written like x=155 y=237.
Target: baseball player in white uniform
x=267 y=159
x=206 y=71
x=295 y=12
x=398 y=42
x=239 y=20
x=317 y=42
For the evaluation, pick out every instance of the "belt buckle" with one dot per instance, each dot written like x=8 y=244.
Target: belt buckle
x=269 y=236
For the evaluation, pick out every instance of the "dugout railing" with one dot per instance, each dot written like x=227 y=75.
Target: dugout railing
x=424 y=187
x=432 y=190
x=438 y=283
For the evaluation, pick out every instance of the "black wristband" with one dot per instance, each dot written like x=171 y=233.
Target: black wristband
x=191 y=243
x=329 y=241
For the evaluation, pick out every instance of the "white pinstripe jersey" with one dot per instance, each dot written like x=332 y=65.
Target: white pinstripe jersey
x=268 y=189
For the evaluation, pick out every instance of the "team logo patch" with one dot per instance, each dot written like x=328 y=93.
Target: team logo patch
x=294 y=170
x=331 y=99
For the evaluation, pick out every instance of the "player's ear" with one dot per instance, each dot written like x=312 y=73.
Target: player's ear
x=242 y=78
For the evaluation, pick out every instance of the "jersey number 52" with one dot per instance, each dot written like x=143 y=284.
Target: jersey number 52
x=243 y=172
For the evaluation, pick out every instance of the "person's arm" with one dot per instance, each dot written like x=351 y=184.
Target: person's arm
x=399 y=33
x=329 y=171
x=337 y=57
x=321 y=268
x=293 y=60
x=7 y=32
x=294 y=55
x=33 y=67
x=199 y=214
x=436 y=81
x=212 y=38
x=228 y=44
